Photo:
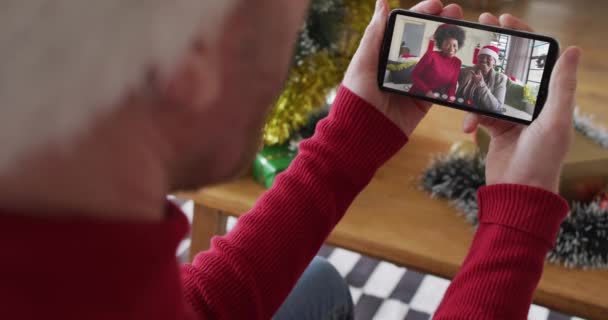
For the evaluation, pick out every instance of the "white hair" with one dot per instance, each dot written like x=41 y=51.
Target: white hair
x=64 y=61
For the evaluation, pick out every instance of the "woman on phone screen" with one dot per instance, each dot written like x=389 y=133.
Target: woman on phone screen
x=436 y=75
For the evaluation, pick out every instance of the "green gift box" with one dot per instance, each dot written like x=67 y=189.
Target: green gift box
x=271 y=161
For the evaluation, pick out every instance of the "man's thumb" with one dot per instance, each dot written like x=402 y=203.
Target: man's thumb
x=562 y=89
x=375 y=28
x=381 y=10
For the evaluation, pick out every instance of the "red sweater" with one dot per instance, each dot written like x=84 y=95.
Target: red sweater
x=436 y=73
x=75 y=268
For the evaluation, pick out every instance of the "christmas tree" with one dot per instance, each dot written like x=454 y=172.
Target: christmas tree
x=327 y=42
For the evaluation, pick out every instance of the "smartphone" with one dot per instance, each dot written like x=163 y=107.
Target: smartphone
x=493 y=71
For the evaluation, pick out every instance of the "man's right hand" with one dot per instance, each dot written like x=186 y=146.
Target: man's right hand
x=362 y=74
x=532 y=155
x=476 y=76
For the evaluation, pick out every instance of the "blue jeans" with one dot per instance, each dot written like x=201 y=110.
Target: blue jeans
x=320 y=294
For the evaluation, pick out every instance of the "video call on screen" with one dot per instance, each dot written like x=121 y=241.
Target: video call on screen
x=478 y=69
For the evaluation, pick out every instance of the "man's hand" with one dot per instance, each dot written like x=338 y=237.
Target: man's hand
x=361 y=76
x=477 y=77
x=532 y=155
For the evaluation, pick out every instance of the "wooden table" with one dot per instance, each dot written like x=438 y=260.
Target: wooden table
x=393 y=220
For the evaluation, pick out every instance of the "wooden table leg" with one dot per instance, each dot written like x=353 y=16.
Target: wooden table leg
x=206 y=223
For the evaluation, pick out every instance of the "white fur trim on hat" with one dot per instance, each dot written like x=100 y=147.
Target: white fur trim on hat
x=491 y=51
x=64 y=61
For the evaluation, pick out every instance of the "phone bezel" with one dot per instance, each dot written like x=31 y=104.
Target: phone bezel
x=544 y=85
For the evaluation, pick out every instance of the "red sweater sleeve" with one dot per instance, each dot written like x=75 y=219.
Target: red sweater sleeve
x=248 y=273
x=454 y=82
x=518 y=226
x=81 y=268
x=419 y=71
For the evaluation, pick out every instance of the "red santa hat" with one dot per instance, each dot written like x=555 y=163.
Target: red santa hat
x=492 y=51
x=117 y=41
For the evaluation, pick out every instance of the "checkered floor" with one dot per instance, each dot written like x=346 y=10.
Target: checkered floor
x=384 y=291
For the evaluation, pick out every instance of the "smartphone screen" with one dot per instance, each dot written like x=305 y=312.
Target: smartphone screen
x=493 y=71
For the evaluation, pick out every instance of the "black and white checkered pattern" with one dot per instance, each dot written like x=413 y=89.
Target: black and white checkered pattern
x=382 y=290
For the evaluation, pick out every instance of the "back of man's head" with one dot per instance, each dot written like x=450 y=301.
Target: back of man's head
x=64 y=61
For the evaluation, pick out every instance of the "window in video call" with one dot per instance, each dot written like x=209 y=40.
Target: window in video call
x=478 y=69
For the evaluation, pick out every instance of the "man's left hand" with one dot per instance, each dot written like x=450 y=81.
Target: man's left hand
x=361 y=76
x=478 y=78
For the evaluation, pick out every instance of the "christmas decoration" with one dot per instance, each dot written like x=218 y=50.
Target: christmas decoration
x=304 y=91
x=326 y=44
x=271 y=161
x=309 y=129
x=583 y=236
x=456 y=178
x=585 y=170
x=320 y=30
x=583 y=189
x=602 y=199
x=586 y=126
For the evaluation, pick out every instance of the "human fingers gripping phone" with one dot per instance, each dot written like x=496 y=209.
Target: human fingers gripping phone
x=497 y=72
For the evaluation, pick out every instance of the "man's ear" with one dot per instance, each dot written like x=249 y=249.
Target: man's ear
x=196 y=80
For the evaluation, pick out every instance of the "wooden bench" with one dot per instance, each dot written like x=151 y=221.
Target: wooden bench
x=395 y=221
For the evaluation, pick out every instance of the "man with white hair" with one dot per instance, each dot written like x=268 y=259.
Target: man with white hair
x=481 y=84
x=107 y=106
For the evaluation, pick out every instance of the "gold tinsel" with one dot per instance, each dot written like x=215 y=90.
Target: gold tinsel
x=310 y=82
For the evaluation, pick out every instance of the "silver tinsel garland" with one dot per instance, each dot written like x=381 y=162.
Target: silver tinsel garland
x=583 y=236
x=321 y=30
x=585 y=125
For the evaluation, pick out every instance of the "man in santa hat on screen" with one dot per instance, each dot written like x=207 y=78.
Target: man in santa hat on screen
x=481 y=85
